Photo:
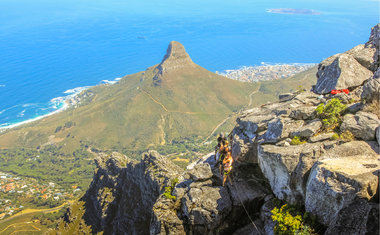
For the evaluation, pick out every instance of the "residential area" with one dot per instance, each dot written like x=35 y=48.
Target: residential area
x=265 y=72
x=18 y=193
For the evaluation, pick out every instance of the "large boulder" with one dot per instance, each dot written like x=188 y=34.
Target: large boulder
x=303 y=113
x=362 y=125
x=340 y=71
x=200 y=172
x=371 y=89
x=364 y=55
x=205 y=208
x=360 y=217
x=308 y=130
x=334 y=183
x=279 y=128
x=286 y=168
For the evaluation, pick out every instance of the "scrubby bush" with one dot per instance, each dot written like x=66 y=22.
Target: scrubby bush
x=296 y=141
x=289 y=221
x=346 y=136
x=169 y=190
x=335 y=136
x=330 y=113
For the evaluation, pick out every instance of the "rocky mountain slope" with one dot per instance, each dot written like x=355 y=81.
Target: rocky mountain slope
x=289 y=150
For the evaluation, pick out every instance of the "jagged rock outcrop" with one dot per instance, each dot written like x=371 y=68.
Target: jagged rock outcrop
x=350 y=69
x=340 y=72
x=203 y=206
x=371 y=89
x=123 y=191
x=363 y=125
x=335 y=183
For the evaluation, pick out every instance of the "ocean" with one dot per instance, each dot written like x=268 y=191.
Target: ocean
x=48 y=48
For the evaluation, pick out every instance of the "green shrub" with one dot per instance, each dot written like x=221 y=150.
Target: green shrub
x=296 y=141
x=289 y=221
x=346 y=136
x=335 y=136
x=330 y=113
x=169 y=190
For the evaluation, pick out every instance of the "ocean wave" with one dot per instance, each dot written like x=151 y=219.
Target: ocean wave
x=22 y=113
x=2 y=85
x=76 y=90
x=109 y=82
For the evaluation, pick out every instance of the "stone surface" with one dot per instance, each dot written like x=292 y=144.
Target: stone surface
x=362 y=125
x=308 y=130
x=364 y=55
x=122 y=193
x=360 y=217
x=341 y=71
x=334 y=183
x=286 y=168
x=371 y=90
x=374 y=38
x=321 y=137
x=303 y=113
x=200 y=172
x=205 y=208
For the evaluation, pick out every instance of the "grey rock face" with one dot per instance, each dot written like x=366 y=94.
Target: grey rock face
x=362 y=125
x=340 y=71
x=321 y=137
x=364 y=55
x=122 y=193
x=205 y=207
x=287 y=168
x=303 y=113
x=334 y=183
x=200 y=172
x=308 y=130
x=371 y=90
x=374 y=39
x=365 y=220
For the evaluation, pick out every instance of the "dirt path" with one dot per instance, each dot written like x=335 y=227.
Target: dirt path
x=250 y=95
x=30 y=211
x=163 y=106
x=232 y=115
x=35 y=229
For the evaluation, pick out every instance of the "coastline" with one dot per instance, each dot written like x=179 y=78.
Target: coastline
x=265 y=71
x=70 y=100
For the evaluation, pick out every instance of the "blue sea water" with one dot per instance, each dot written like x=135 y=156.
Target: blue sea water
x=48 y=47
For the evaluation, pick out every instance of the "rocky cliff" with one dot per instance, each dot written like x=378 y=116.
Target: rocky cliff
x=123 y=191
x=289 y=150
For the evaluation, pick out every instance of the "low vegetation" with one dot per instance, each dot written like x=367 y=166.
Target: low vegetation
x=291 y=220
x=345 y=136
x=169 y=190
x=331 y=113
x=297 y=140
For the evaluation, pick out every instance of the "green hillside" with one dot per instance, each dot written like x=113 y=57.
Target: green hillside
x=138 y=113
x=175 y=107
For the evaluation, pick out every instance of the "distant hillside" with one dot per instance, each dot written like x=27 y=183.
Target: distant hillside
x=170 y=101
x=166 y=104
